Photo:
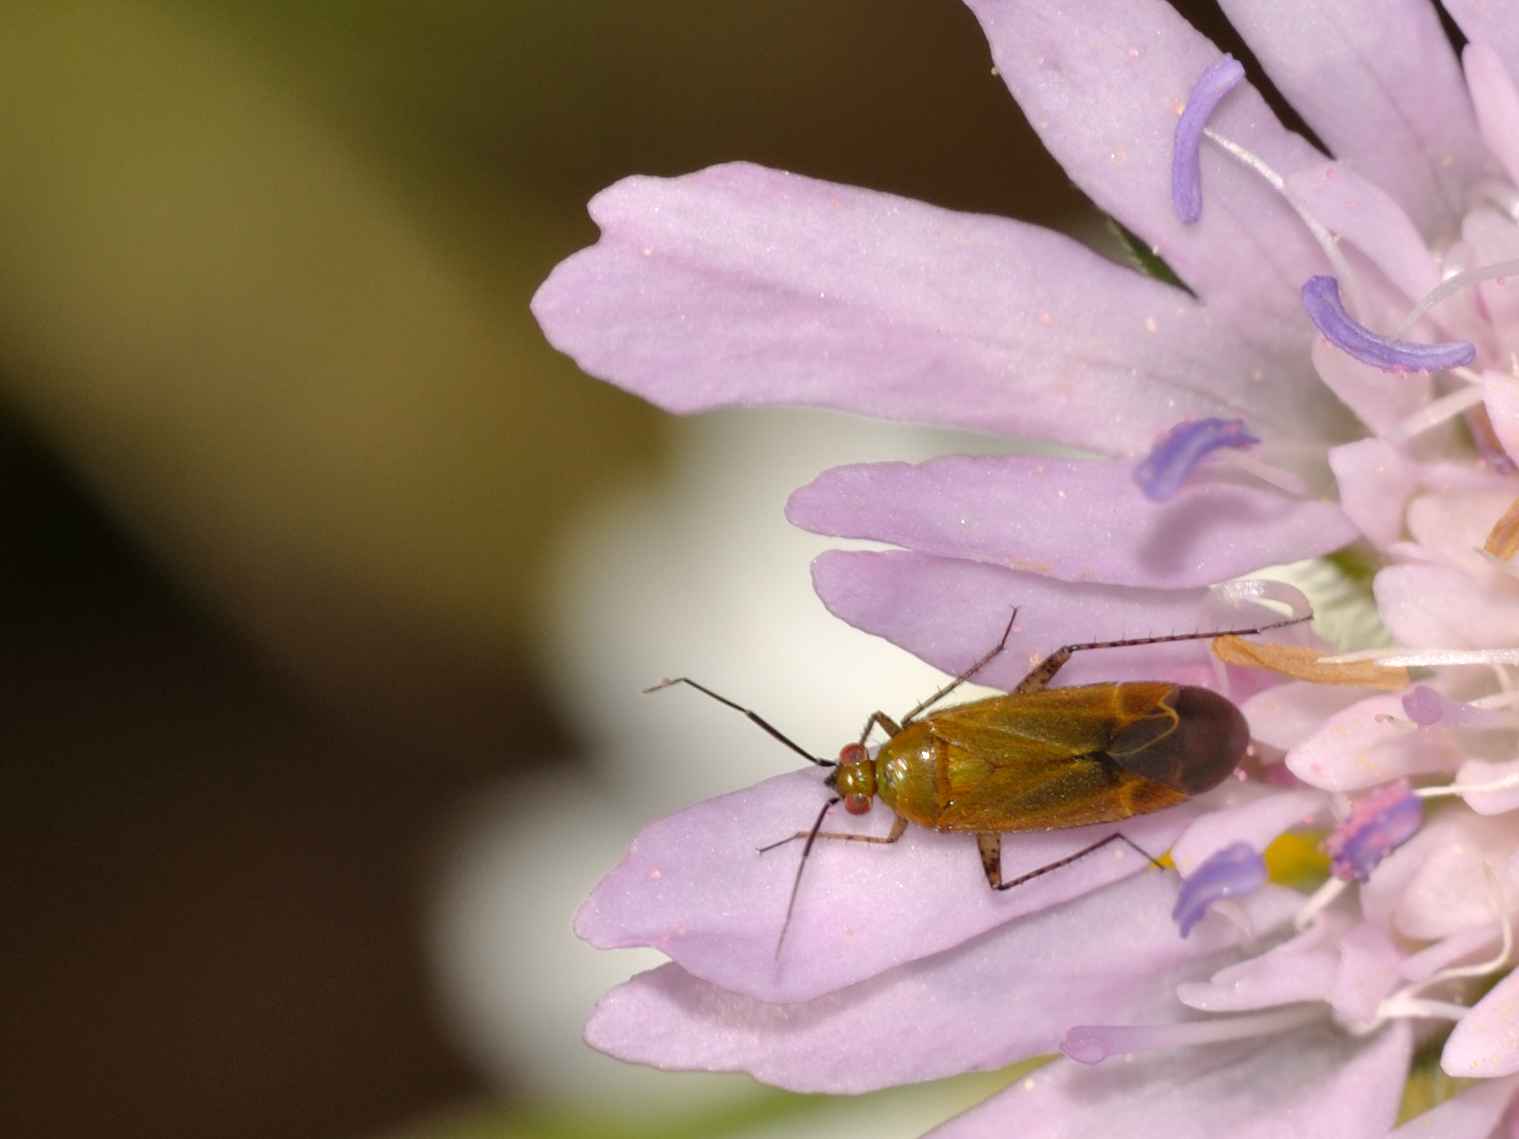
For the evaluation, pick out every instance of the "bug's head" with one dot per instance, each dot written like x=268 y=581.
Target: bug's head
x=855 y=778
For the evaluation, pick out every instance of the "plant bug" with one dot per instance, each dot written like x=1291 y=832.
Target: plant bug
x=1035 y=759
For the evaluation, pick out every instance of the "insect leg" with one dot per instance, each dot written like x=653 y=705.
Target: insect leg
x=898 y=828
x=963 y=677
x=888 y=725
x=990 y=845
x=1043 y=672
x=774 y=732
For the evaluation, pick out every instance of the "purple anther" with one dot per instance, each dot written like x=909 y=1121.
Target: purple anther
x=1424 y=705
x=1378 y=824
x=1221 y=77
x=1321 y=297
x=1236 y=869
x=1161 y=472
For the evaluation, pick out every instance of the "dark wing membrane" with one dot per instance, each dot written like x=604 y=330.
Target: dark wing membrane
x=1040 y=762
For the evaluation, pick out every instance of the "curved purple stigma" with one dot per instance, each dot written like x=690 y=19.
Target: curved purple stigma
x=1221 y=77
x=1227 y=873
x=1378 y=824
x=1161 y=472
x=1321 y=297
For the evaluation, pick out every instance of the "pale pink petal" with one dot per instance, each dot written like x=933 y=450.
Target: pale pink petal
x=1454 y=524
x=1314 y=1083
x=1080 y=521
x=1496 y=239
x=1438 y=607
x=1381 y=896
x=1474 y=1114
x=950 y=612
x=1256 y=822
x=1102 y=82
x=1489 y=22
x=1380 y=399
x=1370 y=742
x=1497 y=104
x=692 y=886
x=1375 y=480
x=1366 y=974
x=1287 y=714
x=1464 y=946
x=1486 y=1040
x=1001 y=997
x=1501 y=394
x=1301 y=969
x=1485 y=771
x=742 y=285
x=1384 y=93
x=1450 y=891
x=1363 y=214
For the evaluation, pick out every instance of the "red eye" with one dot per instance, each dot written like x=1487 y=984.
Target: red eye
x=857 y=804
x=852 y=753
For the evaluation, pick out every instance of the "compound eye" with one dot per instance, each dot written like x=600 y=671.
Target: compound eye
x=857 y=804
x=852 y=753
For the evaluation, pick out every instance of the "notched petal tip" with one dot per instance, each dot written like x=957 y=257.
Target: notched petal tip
x=1221 y=77
x=1321 y=299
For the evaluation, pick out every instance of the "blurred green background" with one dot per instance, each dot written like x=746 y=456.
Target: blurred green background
x=290 y=477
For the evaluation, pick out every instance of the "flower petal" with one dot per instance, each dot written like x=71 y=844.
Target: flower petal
x=1316 y=1083
x=1381 y=401
x=1497 y=104
x=1486 y=1040
x=1006 y=995
x=1365 y=974
x=1474 y=1114
x=1501 y=394
x=1488 y=22
x=1385 y=94
x=742 y=285
x=1102 y=82
x=1370 y=742
x=1376 y=480
x=1080 y=521
x=1482 y=771
x=1363 y=214
x=1287 y=714
x=949 y=612
x=1300 y=969
x=1439 y=607
x=1255 y=823
x=1453 y=524
x=692 y=886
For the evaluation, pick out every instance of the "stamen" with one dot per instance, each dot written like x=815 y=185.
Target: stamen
x=1503 y=539
x=1426 y=707
x=1321 y=298
x=1319 y=901
x=1378 y=824
x=1455 y=283
x=1507 y=783
x=1401 y=1007
x=1228 y=873
x=1428 y=658
x=1221 y=77
x=1092 y=1044
x=1302 y=662
x=1161 y=473
x=1436 y=412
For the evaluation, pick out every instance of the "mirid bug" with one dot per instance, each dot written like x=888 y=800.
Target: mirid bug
x=1035 y=759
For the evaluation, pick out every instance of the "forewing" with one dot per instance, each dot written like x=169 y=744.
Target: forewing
x=1039 y=762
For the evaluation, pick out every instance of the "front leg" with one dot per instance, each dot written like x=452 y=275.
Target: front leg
x=898 y=828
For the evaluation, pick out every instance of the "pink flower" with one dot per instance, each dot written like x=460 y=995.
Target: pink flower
x=1348 y=330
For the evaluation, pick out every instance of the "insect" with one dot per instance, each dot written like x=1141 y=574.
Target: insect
x=1036 y=759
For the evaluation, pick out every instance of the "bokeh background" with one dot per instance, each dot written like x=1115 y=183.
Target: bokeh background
x=329 y=587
